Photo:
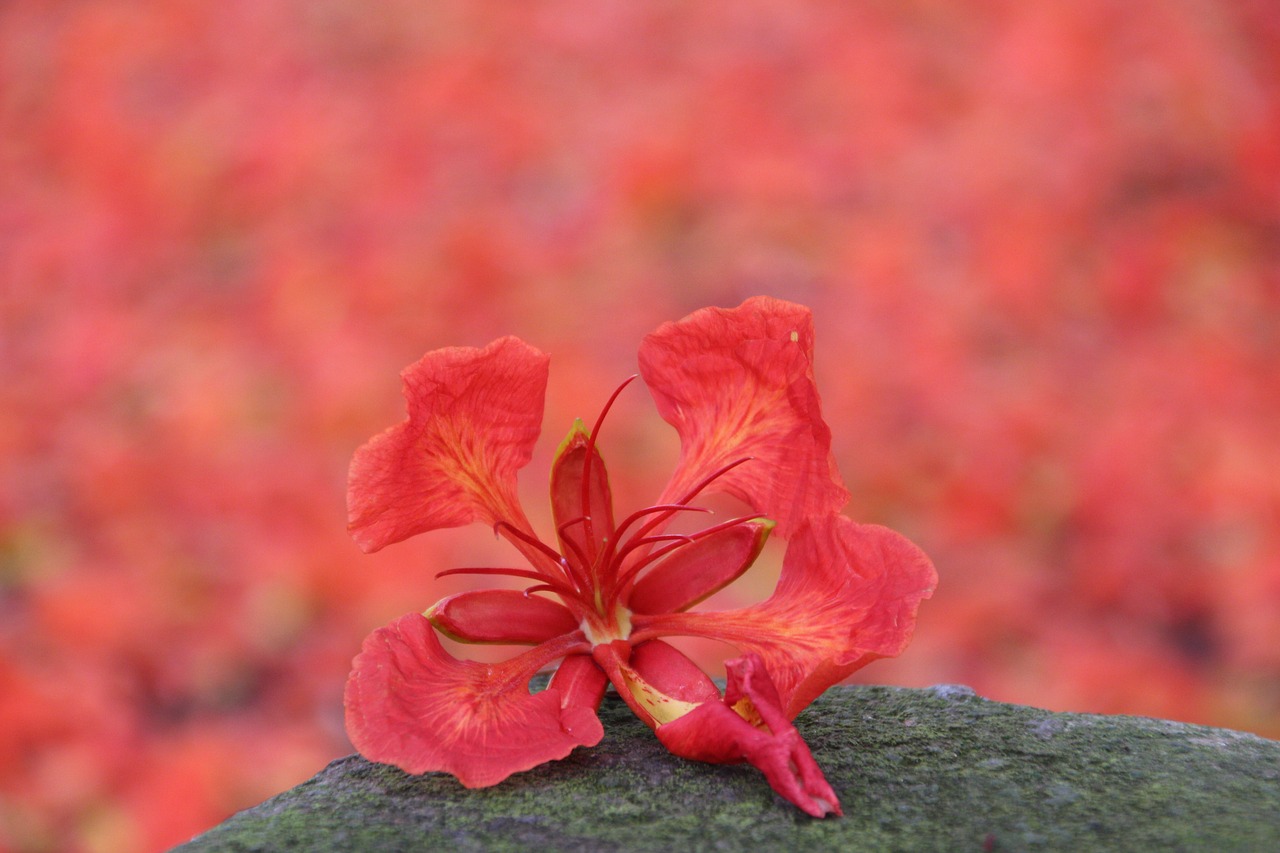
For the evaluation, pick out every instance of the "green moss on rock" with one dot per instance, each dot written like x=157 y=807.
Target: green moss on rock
x=938 y=769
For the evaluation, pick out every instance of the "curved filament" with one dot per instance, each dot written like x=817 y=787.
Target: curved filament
x=537 y=544
x=552 y=584
x=573 y=546
x=693 y=492
x=625 y=579
x=586 y=464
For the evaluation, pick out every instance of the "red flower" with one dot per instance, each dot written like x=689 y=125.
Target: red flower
x=738 y=386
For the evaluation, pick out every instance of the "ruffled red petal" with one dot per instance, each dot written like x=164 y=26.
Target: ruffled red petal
x=848 y=594
x=474 y=415
x=739 y=383
x=697 y=570
x=501 y=616
x=410 y=704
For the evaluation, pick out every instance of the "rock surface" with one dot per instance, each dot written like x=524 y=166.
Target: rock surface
x=931 y=769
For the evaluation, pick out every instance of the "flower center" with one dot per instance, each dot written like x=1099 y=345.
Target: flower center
x=593 y=575
x=600 y=633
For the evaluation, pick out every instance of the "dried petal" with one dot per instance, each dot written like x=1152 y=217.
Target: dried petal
x=474 y=416
x=410 y=704
x=739 y=383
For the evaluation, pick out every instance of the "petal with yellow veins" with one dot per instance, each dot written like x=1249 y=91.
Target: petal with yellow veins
x=738 y=383
x=473 y=418
x=848 y=594
x=410 y=704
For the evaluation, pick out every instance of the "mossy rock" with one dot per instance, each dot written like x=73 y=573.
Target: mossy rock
x=931 y=769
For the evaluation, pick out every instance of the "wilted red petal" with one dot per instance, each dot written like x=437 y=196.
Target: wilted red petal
x=695 y=571
x=410 y=704
x=501 y=616
x=750 y=725
x=848 y=594
x=474 y=415
x=587 y=536
x=738 y=383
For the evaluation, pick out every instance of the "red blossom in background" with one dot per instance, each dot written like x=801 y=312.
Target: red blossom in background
x=738 y=386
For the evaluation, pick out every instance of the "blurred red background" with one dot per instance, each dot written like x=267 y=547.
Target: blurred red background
x=1041 y=241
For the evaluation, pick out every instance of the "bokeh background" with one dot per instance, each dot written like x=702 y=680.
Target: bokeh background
x=1041 y=241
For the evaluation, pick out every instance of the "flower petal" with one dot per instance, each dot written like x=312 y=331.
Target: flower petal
x=580 y=682
x=474 y=415
x=751 y=726
x=410 y=704
x=583 y=540
x=501 y=616
x=656 y=680
x=848 y=594
x=739 y=383
x=672 y=673
x=697 y=570
x=682 y=705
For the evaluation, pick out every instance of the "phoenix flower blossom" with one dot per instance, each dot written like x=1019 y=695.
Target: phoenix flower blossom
x=738 y=387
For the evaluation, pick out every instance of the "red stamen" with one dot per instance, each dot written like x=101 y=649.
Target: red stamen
x=663 y=512
x=649 y=559
x=573 y=546
x=638 y=514
x=554 y=585
x=485 y=570
x=537 y=544
x=670 y=509
x=642 y=541
x=692 y=493
x=712 y=477
x=586 y=465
